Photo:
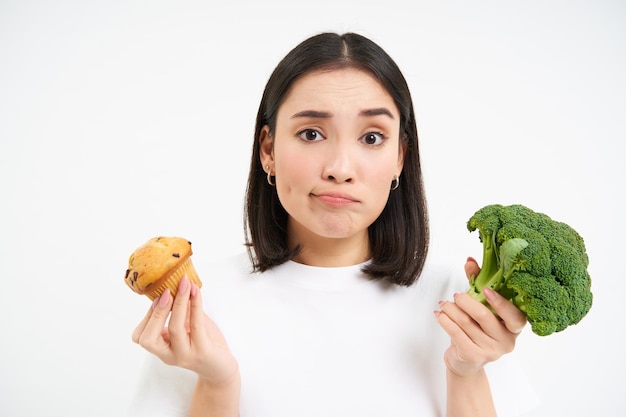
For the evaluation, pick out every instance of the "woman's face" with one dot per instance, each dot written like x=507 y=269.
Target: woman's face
x=335 y=152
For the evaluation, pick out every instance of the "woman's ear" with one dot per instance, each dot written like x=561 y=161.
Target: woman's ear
x=266 y=148
x=401 y=154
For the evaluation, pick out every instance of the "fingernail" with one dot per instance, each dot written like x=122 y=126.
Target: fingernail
x=436 y=313
x=441 y=303
x=455 y=295
x=154 y=303
x=194 y=290
x=489 y=293
x=165 y=298
x=184 y=283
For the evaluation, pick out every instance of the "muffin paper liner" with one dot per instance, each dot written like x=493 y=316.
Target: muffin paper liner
x=186 y=268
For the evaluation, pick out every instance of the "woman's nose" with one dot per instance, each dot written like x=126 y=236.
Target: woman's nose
x=339 y=164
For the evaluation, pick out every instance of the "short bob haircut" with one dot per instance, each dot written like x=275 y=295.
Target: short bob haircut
x=399 y=236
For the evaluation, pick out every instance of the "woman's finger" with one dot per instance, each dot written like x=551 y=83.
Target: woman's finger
x=511 y=316
x=142 y=324
x=471 y=267
x=488 y=323
x=151 y=338
x=179 y=337
x=451 y=327
x=465 y=316
x=465 y=350
x=197 y=327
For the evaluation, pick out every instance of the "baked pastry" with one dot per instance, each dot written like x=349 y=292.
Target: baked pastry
x=158 y=264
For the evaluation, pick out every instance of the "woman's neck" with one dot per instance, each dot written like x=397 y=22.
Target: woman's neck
x=332 y=252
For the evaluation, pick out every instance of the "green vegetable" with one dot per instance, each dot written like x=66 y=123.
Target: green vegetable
x=537 y=263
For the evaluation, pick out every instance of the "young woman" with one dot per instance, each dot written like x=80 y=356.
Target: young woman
x=331 y=312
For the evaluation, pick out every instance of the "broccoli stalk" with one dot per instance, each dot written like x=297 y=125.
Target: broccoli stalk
x=497 y=266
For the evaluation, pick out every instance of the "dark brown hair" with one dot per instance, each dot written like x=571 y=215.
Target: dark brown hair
x=399 y=236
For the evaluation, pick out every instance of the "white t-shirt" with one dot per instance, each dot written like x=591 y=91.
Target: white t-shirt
x=314 y=341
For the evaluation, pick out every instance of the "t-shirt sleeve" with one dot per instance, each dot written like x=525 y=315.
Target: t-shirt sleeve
x=162 y=391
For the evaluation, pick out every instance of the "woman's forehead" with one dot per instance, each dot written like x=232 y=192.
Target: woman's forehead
x=323 y=89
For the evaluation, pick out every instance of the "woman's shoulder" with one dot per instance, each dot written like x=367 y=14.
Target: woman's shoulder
x=441 y=279
x=233 y=265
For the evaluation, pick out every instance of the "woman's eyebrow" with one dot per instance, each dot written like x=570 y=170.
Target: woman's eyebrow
x=314 y=114
x=377 y=112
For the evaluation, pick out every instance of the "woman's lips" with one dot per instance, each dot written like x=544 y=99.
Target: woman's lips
x=336 y=200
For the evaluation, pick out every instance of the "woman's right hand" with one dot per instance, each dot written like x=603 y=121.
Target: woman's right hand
x=190 y=340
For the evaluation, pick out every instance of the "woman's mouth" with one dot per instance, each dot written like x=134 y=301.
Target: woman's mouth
x=335 y=199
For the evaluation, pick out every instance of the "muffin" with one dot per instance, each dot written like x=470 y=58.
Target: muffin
x=158 y=264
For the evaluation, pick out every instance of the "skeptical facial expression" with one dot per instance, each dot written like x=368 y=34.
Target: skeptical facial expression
x=335 y=152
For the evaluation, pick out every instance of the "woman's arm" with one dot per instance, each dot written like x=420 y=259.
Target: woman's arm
x=193 y=341
x=469 y=396
x=221 y=400
x=477 y=337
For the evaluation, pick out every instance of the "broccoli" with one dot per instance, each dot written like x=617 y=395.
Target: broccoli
x=537 y=263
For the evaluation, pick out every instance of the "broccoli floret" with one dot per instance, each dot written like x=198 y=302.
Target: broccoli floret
x=537 y=263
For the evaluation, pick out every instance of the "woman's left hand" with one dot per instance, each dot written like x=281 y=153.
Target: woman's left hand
x=477 y=335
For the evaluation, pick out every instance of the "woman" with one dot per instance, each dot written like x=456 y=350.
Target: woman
x=332 y=314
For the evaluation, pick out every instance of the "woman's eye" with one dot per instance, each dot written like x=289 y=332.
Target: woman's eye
x=373 y=138
x=310 y=135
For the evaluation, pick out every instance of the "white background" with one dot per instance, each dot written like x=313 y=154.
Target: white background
x=123 y=120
